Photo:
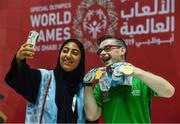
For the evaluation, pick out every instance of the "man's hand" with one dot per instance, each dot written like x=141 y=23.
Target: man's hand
x=122 y=68
x=89 y=77
x=92 y=75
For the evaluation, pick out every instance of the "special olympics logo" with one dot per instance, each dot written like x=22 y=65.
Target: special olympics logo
x=93 y=26
x=93 y=19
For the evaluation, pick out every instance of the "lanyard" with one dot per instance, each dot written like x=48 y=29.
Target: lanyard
x=74 y=102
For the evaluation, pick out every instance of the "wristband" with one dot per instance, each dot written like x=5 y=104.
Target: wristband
x=87 y=84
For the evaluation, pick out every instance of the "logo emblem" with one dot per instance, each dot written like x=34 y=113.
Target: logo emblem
x=135 y=90
x=94 y=19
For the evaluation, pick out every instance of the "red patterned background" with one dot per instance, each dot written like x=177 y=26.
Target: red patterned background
x=149 y=27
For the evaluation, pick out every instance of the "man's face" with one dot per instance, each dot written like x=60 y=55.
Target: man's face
x=110 y=52
x=70 y=56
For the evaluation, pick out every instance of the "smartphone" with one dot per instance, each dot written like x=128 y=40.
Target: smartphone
x=32 y=37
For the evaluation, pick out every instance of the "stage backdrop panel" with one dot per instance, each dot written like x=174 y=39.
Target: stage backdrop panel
x=149 y=27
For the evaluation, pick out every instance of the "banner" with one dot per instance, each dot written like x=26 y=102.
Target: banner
x=149 y=28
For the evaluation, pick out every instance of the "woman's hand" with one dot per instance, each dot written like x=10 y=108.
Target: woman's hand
x=26 y=51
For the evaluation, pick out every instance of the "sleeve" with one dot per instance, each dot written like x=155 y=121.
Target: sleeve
x=144 y=88
x=98 y=95
x=151 y=93
x=24 y=80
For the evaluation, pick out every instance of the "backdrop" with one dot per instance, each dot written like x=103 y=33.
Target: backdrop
x=150 y=28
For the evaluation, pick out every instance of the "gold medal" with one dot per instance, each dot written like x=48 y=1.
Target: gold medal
x=99 y=72
x=127 y=69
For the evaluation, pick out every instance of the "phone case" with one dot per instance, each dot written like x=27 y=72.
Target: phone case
x=32 y=37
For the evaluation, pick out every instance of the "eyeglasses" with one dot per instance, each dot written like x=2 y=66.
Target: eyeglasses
x=108 y=48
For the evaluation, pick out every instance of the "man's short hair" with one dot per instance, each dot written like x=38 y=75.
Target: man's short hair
x=118 y=40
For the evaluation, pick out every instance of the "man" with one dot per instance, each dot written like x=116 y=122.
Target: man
x=123 y=104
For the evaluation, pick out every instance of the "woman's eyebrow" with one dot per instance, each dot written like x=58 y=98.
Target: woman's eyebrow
x=76 y=50
x=66 y=47
x=72 y=49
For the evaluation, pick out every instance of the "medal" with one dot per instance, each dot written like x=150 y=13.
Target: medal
x=98 y=74
x=127 y=69
x=89 y=77
x=117 y=72
x=116 y=78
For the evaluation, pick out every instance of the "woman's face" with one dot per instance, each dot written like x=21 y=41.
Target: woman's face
x=70 y=56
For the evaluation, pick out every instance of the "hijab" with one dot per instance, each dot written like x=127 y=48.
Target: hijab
x=67 y=85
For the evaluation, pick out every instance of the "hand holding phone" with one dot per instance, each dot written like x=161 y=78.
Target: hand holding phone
x=27 y=50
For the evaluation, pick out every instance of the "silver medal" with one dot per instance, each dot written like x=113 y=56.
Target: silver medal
x=89 y=77
x=117 y=71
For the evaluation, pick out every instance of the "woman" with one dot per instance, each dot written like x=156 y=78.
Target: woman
x=54 y=96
